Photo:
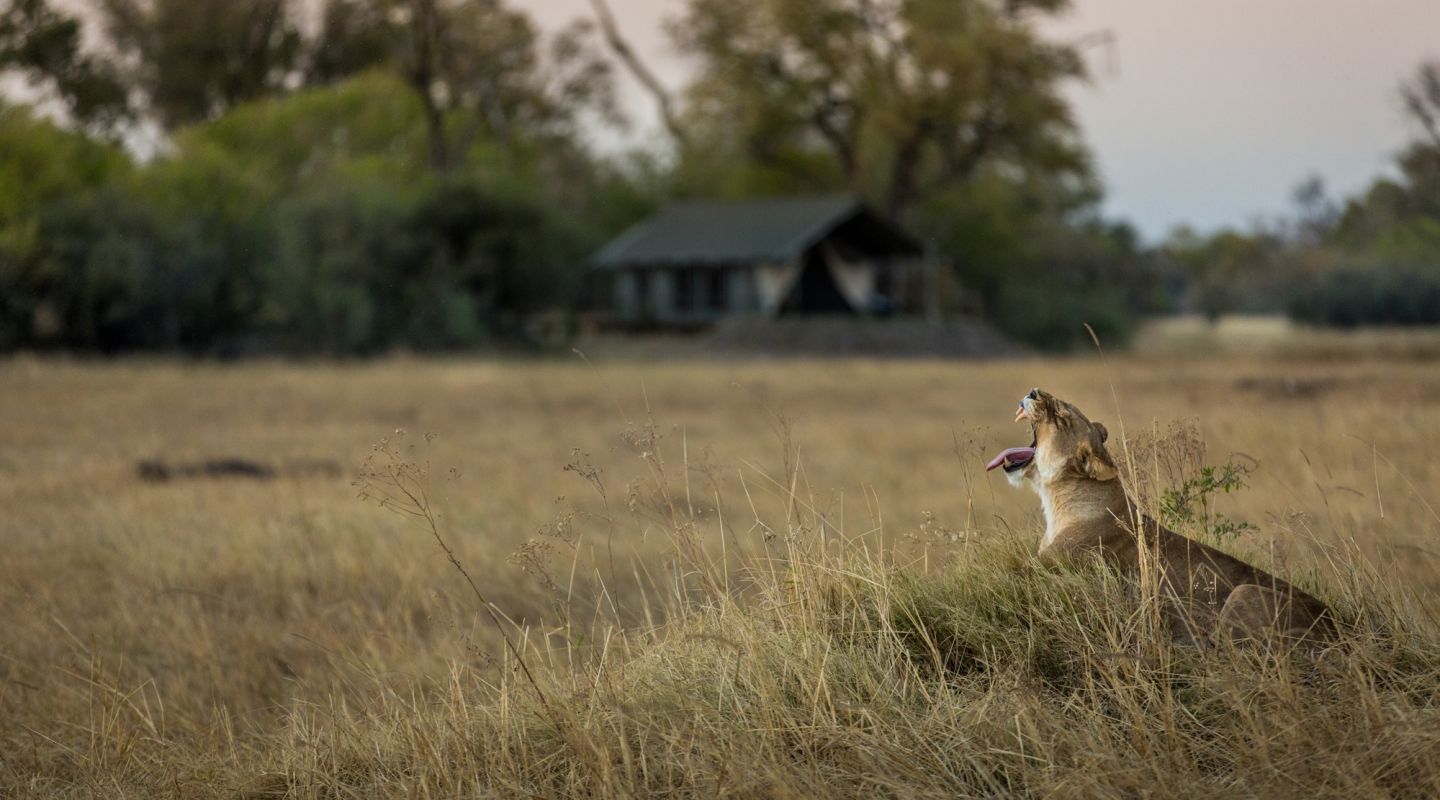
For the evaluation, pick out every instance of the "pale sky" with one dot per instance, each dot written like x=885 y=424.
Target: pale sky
x=1219 y=108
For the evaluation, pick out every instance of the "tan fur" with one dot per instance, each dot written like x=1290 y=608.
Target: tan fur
x=1209 y=594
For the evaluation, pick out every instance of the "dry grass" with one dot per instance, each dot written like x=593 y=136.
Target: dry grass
x=785 y=579
x=1277 y=336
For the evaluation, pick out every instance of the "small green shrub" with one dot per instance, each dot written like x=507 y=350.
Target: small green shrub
x=1191 y=503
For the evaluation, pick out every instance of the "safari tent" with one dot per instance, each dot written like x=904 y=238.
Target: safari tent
x=695 y=263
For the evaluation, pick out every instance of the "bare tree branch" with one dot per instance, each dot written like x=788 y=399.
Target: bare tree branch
x=423 y=72
x=627 y=55
x=840 y=141
x=1105 y=39
x=1422 y=99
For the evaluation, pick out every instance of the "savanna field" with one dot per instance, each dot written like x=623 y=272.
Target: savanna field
x=696 y=578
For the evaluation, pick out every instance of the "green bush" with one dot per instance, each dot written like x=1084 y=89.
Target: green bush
x=41 y=165
x=169 y=259
x=346 y=266
x=446 y=265
x=306 y=224
x=1350 y=298
x=1052 y=314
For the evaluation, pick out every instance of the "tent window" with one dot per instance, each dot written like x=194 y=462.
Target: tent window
x=719 y=284
x=642 y=290
x=684 y=289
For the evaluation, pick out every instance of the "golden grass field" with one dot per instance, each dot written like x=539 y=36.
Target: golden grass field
x=753 y=579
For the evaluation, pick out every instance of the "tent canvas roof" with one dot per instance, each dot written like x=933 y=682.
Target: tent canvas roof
x=718 y=232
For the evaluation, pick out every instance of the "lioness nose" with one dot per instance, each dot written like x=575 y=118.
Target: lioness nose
x=1034 y=395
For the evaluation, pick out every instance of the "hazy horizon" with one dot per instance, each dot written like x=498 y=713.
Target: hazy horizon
x=1217 y=111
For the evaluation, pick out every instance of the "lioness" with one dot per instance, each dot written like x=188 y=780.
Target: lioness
x=1210 y=595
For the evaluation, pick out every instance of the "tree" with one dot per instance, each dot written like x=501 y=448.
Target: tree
x=477 y=66
x=1315 y=213
x=893 y=99
x=191 y=60
x=946 y=114
x=43 y=46
x=1421 y=95
x=1420 y=163
x=368 y=122
x=1230 y=271
x=1398 y=220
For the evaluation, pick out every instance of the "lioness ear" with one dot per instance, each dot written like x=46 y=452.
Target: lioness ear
x=1104 y=434
x=1094 y=464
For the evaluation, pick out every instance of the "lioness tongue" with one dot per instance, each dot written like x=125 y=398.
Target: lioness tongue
x=1010 y=456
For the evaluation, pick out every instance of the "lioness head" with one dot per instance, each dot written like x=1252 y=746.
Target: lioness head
x=1064 y=444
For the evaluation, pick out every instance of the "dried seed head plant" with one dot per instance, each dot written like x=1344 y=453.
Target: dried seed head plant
x=398 y=480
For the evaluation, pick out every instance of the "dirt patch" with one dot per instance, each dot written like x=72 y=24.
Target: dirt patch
x=159 y=470
x=1287 y=387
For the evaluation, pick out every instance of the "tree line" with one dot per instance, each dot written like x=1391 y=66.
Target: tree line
x=402 y=174
x=351 y=176
x=1371 y=259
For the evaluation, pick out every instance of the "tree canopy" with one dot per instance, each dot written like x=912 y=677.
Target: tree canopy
x=477 y=66
x=897 y=100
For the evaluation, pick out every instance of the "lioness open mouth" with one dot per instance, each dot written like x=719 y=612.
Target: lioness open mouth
x=1016 y=458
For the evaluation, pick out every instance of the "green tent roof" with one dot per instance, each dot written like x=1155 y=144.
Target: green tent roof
x=720 y=232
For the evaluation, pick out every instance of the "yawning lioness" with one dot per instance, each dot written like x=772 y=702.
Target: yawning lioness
x=1209 y=594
